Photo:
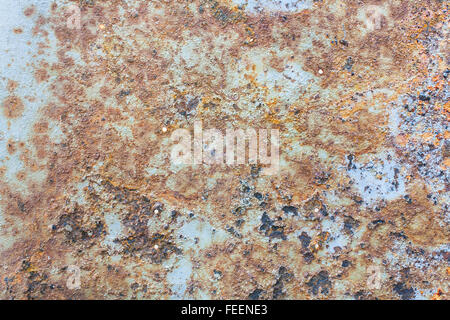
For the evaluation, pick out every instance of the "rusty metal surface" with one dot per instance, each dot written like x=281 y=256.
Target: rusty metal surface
x=91 y=206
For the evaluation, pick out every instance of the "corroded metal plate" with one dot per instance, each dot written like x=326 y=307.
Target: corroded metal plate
x=98 y=98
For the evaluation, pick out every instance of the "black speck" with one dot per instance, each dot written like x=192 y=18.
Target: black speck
x=375 y=223
x=348 y=64
x=346 y=263
x=319 y=282
x=305 y=239
x=290 y=210
x=308 y=256
x=124 y=93
x=255 y=294
x=258 y=195
x=403 y=291
x=399 y=235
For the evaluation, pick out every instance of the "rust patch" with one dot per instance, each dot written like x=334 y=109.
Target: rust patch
x=13 y=107
x=29 y=11
x=361 y=107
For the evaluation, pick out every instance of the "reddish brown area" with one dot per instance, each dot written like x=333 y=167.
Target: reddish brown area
x=29 y=11
x=12 y=86
x=13 y=107
x=41 y=75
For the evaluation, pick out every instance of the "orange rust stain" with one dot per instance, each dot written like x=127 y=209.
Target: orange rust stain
x=41 y=75
x=11 y=147
x=447 y=106
x=21 y=175
x=427 y=136
x=447 y=162
x=402 y=139
x=12 y=86
x=29 y=11
x=13 y=107
x=437 y=295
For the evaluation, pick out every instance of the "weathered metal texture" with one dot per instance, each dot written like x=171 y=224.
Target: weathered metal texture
x=358 y=90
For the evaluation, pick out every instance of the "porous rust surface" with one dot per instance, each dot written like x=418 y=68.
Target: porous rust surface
x=362 y=192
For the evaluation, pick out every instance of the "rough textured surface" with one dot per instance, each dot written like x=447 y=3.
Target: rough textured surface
x=358 y=90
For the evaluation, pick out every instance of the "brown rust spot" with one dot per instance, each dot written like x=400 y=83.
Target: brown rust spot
x=29 y=11
x=41 y=75
x=11 y=86
x=13 y=107
x=11 y=146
